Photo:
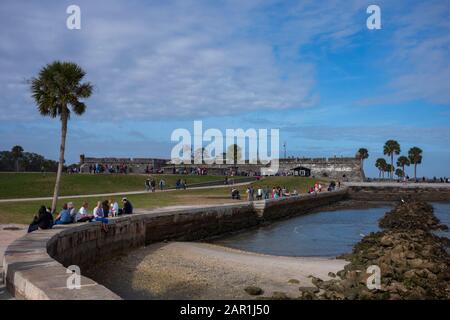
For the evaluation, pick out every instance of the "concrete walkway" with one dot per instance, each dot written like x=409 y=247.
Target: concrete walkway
x=8 y=233
x=121 y=193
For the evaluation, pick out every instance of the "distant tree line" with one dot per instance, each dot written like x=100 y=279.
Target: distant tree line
x=392 y=148
x=18 y=160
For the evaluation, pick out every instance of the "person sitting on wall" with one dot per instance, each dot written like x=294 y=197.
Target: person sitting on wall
x=114 y=208
x=64 y=216
x=72 y=211
x=127 y=206
x=83 y=215
x=99 y=216
x=43 y=220
x=105 y=207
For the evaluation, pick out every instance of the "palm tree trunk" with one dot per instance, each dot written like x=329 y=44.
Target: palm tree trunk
x=61 y=159
x=392 y=166
x=415 y=171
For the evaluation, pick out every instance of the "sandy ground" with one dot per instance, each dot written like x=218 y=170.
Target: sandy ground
x=186 y=270
x=8 y=233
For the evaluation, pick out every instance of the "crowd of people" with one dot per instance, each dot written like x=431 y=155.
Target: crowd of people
x=68 y=214
x=103 y=168
x=277 y=192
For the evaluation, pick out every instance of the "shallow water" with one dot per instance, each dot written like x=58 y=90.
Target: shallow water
x=325 y=234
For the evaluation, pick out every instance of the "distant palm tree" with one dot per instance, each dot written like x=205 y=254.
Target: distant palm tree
x=362 y=154
x=399 y=173
x=17 y=152
x=58 y=86
x=234 y=153
x=415 y=157
x=390 y=148
x=381 y=166
x=389 y=169
x=403 y=161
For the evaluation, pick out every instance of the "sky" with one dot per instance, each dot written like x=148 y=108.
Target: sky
x=311 y=69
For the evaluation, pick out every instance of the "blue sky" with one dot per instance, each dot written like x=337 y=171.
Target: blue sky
x=310 y=68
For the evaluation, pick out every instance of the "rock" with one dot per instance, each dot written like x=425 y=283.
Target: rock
x=331 y=274
x=294 y=281
x=277 y=295
x=254 y=291
x=413 y=261
x=309 y=289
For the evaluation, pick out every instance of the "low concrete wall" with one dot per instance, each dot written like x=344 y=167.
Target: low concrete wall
x=396 y=192
x=35 y=264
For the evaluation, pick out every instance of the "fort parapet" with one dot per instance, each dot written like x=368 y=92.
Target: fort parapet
x=338 y=168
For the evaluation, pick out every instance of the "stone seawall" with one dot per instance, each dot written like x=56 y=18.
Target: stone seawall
x=35 y=265
x=396 y=192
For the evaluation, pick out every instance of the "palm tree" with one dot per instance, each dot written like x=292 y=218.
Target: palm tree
x=56 y=88
x=399 y=173
x=391 y=147
x=362 y=154
x=381 y=165
x=17 y=152
x=415 y=157
x=403 y=161
x=234 y=153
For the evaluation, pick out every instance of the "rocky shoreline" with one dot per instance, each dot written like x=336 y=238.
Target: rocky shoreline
x=414 y=263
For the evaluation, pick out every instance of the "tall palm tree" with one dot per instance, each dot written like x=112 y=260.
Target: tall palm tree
x=403 y=161
x=415 y=157
x=381 y=165
x=17 y=152
x=390 y=148
x=362 y=154
x=57 y=91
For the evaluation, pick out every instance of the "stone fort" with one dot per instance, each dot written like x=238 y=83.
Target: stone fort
x=338 y=168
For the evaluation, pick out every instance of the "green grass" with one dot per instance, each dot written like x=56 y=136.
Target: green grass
x=23 y=212
x=33 y=185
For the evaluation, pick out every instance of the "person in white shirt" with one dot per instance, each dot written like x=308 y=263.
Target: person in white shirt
x=114 y=207
x=82 y=215
x=99 y=216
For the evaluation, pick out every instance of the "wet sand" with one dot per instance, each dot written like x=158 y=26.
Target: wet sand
x=187 y=270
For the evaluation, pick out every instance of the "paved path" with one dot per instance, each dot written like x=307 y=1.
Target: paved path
x=8 y=233
x=120 y=193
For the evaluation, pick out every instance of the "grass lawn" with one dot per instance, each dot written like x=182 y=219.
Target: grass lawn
x=33 y=185
x=23 y=212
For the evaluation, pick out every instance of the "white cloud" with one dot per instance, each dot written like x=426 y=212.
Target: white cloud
x=173 y=58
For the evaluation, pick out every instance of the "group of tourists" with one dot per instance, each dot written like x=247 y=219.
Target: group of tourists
x=150 y=184
x=265 y=193
x=68 y=214
x=103 y=168
x=278 y=192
